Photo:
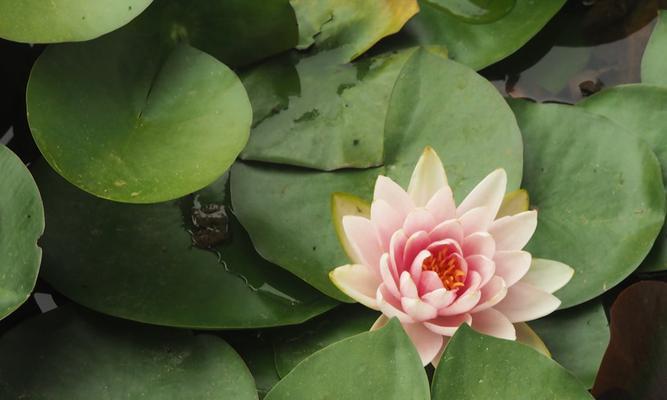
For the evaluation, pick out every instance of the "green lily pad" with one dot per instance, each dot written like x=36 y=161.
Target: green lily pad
x=635 y=362
x=476 y=366
x=479 y=45
x=598 y=191
x=68 y=354
x=330 y=117
x=293 y=344
x=654 y=60
x=133 y=118
x=21 y=225
x=287 y=211
x=577 y=338
x=476 y=11
x=382 y=364
x=640 y=110
x=38 y=21
x=185 y=263
x=349 y=26
x=256 y=350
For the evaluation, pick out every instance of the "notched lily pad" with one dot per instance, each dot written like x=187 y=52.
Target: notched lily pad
x=21 y=225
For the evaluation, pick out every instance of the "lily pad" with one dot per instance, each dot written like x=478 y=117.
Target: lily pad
x=598 y=191
x=459 y=114
x=293 y=344
x=256 y=350
x=476 y=366
x=185 y=263
x=349 y=26
x=654 y=61
x=135 y=118
x=68 y=354
x=332 y=116
x=577 y=338
x=21 y=225
x=635 y=363
x=480 y=44
x=640 y=109
x=38 y=21
x=382 y=364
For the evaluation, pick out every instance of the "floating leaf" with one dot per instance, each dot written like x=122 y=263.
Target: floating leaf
x=654 y=61
x=21 y=225
x=39 y=21
x=257 y=352
x=640 y=109
x=479 y=45
x=293 y=344
x=475 y=366
x=435 y=102
x=476 y=11
x=598 y=192
x=68 y=354
x=333 y=116
x=635 y=363
x=577 y=338
x=382 y=364
x=350 y=26
x=184 y=263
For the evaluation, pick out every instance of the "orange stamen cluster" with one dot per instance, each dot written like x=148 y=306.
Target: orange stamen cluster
x=446 y=265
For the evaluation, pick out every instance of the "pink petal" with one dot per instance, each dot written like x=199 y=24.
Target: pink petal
x=482 y=265
x=439 y=298
x=408 y=286
x=427 y=343
x=548 y=275
x=415 y=244
x=441 y=244
x=396 y=251
x=391 y=306
x=429 y=282
x=447 y=326
x=514 y=231
x=479 y=243
x=512 y=265
x=493 y=323
x=466 y=301
x=364 y=240
x=427 y=178
x=379 y=323
x=389 y=277
x=488 y=193
x=417 y=264
x=475 y=220
x=418 y=220
x=442 y=204
x=393 y=194
x=492 y=293
x=418 y=310
x=386 y=220
x=358 y=282
x=526 y=303
x=450 y=229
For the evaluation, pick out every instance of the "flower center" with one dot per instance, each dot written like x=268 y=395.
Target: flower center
x=446 y=264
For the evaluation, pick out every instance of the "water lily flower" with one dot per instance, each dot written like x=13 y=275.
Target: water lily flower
x=434 y=265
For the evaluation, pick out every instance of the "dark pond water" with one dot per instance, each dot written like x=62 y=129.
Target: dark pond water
x=589 y=45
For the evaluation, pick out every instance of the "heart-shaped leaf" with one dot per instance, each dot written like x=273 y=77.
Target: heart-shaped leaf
x=184 y=263
x=598 y=191
x=38 y=21
x=67 y=354
x=382 y=364
x=436 y=102
x=475 y=366
x=21 y=225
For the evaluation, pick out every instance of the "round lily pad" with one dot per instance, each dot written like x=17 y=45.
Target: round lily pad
x=129 y=117
x=67 y=354
x=21 y=225
x=480 y=44
x=640 y=110
x=598 y=191
x=185 y=263
x=38 y=21
x=436 y=102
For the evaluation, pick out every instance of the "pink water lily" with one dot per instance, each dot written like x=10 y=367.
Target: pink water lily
x=435 y=266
